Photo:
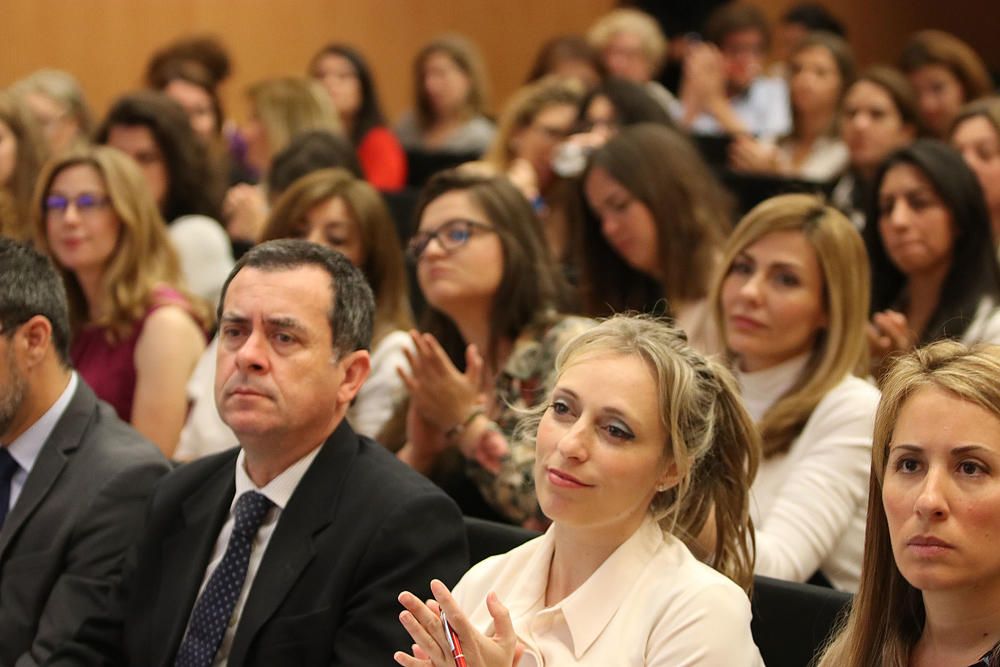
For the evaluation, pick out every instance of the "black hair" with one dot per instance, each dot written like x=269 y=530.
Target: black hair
x=631 y=102
x=370 y=113
x=974 y=272
x=307 y=152
x=29 y=286
x=192 y=186
x=815 y=17
x=352 y=313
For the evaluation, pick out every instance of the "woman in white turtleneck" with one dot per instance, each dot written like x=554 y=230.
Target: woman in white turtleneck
x=791 y=303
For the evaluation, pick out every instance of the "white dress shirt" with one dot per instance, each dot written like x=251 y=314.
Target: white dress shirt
x=809 y=504
x=763 y=108
x=279 y=490
x=650 y=603
x=26 y=448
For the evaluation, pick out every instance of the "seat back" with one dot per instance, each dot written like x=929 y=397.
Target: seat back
x=489 y=538
x=792 y=621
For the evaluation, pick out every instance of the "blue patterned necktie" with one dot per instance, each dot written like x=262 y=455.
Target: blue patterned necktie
x=8 y=468
x=214 y=608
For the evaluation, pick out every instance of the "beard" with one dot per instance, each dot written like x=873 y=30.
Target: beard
x=11 y=395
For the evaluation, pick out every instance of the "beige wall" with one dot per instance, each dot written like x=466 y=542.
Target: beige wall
x=106 y=42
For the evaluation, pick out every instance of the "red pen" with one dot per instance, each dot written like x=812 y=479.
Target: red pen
x=453 y=643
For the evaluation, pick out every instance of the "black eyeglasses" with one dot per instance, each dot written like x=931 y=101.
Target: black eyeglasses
x=451 y=235
x=84 y=203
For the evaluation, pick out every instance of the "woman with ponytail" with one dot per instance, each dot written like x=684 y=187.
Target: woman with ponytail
x=642 y=448
x=791 y=304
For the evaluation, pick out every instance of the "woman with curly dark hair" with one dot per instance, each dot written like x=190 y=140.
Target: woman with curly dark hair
x=154 y=131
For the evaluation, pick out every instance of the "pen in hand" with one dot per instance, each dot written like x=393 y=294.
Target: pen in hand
x=453 y=642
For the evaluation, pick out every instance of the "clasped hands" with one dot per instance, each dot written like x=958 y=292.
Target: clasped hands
x=431 y=648
x=444 y=399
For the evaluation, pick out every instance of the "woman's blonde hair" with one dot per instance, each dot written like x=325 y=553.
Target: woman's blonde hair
x=841 y=347
x=383 y=263
x=711 y=438
x=289 y=105
x=30 y=154
x=654 y=43
x=143 y=258
x=466 y=56
x=521 y=110
x=887 y=615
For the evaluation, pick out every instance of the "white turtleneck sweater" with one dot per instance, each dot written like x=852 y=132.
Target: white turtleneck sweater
x=809 y=504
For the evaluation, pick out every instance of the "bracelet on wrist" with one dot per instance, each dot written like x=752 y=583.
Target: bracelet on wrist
x=458 y=429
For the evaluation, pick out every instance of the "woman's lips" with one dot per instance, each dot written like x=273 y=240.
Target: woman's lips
x=744 y=323
x=565 y=480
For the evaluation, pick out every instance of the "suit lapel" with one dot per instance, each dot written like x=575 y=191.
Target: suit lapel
x=311 y=509
x=186 y=552
x=53 y=457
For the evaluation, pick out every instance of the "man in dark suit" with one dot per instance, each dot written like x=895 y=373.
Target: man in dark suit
x=292 y=548
x=74 y=479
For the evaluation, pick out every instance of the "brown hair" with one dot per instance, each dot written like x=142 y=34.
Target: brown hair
x=736 y=17
x=987 y=107
x=28 y=159
x=521 y=110
x=466 y=56
x=899 y=89
x=143 y=259
x=530 y=285
x=887 y=615
x=383 y=263
x=935 y=47
x=662 y=169
x=841 y=349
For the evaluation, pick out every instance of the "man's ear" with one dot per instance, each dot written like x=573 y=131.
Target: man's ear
x=357 y=366
x=34 y=337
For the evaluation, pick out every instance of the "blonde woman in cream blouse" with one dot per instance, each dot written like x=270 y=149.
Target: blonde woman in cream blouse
x=641 y=437
x=792 y=303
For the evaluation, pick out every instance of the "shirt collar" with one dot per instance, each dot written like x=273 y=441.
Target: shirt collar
x=589 y=609
x=26 y=448
x=280 y=489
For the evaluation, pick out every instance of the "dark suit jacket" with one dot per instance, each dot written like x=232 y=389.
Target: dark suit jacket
x=63 y=543
x=359 y=528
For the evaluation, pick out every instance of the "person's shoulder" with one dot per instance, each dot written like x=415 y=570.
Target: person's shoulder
x=112 y=449
x=851 y=395
x=375 y=468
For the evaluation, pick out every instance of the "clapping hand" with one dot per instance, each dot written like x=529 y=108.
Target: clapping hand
x=889 y=334
x=442 y=394
x=432 y=649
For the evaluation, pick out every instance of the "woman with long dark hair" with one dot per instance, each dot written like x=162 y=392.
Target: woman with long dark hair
x=934 y=268
x=348 y=79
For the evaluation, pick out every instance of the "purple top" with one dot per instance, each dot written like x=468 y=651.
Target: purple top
x=109 y=367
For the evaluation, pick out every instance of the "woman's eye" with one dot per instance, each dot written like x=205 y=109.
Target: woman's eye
x=458 y=235
x=559 y=407
x=907 y=465
x=741 y=267
x=970 y=468
x=619 y=432
x=620 y=205
x=787 y=279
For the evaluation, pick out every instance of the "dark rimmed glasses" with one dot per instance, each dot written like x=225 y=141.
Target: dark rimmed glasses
x=451 y=236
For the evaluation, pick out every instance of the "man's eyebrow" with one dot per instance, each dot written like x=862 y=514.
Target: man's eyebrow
x=232 y=318
x=281 y=322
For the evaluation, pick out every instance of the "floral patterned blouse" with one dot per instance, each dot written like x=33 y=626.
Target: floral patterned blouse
x=524 y=382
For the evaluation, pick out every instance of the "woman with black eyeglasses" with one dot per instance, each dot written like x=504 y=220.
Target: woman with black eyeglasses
x=490 y=337
x=137 y=332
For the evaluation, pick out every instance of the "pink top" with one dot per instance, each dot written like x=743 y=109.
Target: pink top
x=109 y=368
